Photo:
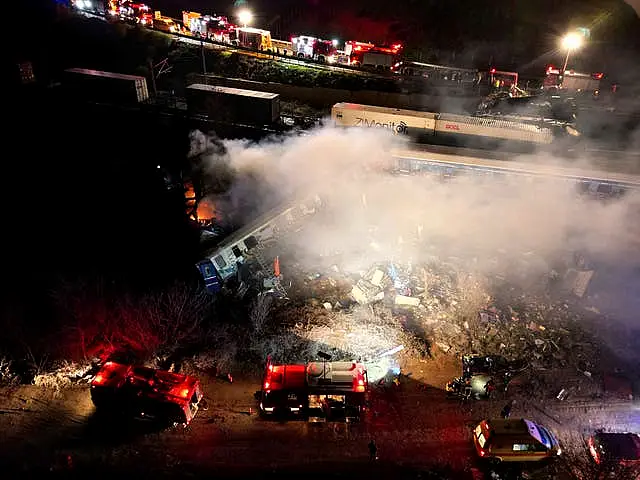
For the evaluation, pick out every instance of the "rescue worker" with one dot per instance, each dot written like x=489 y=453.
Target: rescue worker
x=506 y=411
x=489 y=388
x=373 y=450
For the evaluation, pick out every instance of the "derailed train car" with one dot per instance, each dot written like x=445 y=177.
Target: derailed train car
x=598 y=184
x=451 y=129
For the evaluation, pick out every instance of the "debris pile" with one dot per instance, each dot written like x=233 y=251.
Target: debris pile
x=362 y=333
x=440 y=303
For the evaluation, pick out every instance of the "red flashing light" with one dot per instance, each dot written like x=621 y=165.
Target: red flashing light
x=492 y=71
x=184 y=393
x=266 y=385
x=598 y=76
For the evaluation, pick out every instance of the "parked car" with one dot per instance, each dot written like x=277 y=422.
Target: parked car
x=514 y=440
x=608 y=448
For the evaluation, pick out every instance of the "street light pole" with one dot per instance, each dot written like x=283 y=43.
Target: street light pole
x=566 y=61
x=153 y=78
x=204 y=63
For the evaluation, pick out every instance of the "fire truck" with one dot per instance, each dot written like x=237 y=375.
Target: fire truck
x=314 y=48
x=318 y=391
x=212 y=27
x=354 y=51
x=371 y=56
x=131 y=12
x=253 y=38
x=146 y=393
x=187 y=17
x=572 y=81
x=91 y=6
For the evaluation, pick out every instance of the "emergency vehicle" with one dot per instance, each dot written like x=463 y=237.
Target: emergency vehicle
x=354 y=51
x=314 y=48
x=146 y=393
x=187 y=17
x=253 y=38
x=216 y=28
x=380 y=58
x=318 y=391
x=572 y=81
x=282 y=47
x=136 y=13
x=92 y=6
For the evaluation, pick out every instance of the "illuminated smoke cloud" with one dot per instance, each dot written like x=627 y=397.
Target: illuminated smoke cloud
x=379 y=217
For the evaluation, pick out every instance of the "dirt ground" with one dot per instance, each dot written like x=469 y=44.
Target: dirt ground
x=416 y=428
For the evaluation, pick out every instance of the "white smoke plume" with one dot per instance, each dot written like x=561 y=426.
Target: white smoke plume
x=375 y=216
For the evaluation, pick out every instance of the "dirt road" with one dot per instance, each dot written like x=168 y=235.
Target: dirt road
x=414 y=426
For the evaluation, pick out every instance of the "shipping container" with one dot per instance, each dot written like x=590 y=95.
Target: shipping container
x=109 y=87
x=234 y=105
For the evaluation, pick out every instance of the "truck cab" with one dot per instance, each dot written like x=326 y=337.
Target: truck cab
x=146 y=393
x=283 y=390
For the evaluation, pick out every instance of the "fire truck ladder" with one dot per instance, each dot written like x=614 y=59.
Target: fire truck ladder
x=266 y=267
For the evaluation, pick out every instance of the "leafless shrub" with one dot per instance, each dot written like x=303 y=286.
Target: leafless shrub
x=259 y=312
x=150 y=325
x=360 y=333
x=7 y=376
x=63 y=375
x=286 y=346
x=37 y=363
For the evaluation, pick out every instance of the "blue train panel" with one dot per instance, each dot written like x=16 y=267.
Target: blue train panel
x=210 y=276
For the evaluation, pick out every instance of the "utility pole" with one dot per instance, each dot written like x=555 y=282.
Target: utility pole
x=153 y=78
x=163 y=67
x=204 y=63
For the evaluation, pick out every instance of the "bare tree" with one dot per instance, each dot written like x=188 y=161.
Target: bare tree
x=259 y=312
x=162 y=321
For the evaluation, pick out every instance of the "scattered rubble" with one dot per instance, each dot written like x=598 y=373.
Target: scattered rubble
x=444 y=302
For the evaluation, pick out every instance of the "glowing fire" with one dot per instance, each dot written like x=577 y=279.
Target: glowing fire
x=206 y=210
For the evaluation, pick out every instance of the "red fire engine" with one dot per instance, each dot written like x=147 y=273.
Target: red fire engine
x=572 y=81
x=314 y=48
x=372 y=56
x=318 y=391
x=214 y=27
x=131 y=12
x=144 y=392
